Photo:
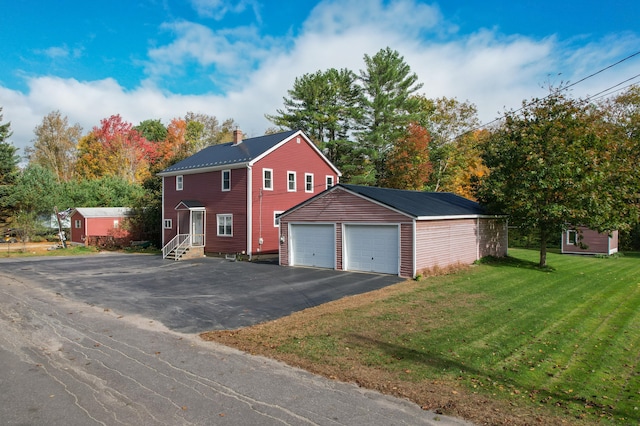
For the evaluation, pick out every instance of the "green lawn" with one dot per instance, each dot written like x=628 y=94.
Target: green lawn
x=566 y=339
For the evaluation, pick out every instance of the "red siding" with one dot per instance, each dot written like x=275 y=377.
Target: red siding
x=207 y=189
x=594 y=242
x=95 y=226
x=292 y=156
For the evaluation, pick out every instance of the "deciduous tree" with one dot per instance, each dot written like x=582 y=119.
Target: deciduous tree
x=554 y=163
x=54 y=146
x=408 y=165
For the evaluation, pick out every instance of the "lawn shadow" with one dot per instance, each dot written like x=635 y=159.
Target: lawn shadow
x=513 y=262
x=439 y=363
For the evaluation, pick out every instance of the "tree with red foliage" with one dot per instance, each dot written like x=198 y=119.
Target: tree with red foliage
x=128 y=154
x=407 y=164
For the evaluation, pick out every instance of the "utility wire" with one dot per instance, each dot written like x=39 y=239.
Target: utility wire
x=481 y=126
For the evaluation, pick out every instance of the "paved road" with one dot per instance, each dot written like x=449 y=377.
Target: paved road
x=66 y=362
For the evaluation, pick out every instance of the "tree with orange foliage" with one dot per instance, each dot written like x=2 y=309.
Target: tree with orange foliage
x=123 y=151
x=407 y=164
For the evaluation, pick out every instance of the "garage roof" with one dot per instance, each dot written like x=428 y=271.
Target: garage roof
x=418 y=203
x=103 y=211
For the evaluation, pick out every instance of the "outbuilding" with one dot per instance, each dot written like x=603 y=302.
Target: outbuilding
x=99 y=225
x=391 y=231
x=582 y=240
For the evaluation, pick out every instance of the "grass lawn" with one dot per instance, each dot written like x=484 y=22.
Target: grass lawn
x=502 y=342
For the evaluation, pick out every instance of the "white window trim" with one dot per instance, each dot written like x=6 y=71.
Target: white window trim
x=222 y=180
x=276 y=219
x=295 y=183
x=327 y=181
x=78 y=223
x=306 y=182
x=168 y=223
x=179 y=182
x=116 y=223
x=264 y=179
x=575 y=238
x=224 y=216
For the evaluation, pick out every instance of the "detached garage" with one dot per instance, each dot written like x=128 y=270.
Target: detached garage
x=390 y=231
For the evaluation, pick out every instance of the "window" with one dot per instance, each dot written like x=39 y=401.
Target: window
x=226 y=180
x=308 y=182
x=179 y=183
x=116 y=223
x=78 y=223
x=329 y=182
x=572 y=237
x=225 y=225
x=168 y=224
x=291 y=181
x=276 y=218
x=267 y=178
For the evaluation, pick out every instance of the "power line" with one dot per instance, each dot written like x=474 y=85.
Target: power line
x=481 y=126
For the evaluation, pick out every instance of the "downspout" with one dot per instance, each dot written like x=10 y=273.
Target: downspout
x=163 y=216
x=249 y=208
x=415 y=250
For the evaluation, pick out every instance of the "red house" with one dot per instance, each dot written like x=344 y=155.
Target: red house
x=226 y=199
x=96 y=225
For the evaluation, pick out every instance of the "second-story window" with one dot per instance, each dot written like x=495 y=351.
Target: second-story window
x=267 y=178
x=308 y=182
x=179 y=183
x=226 y=180
x=291 y=181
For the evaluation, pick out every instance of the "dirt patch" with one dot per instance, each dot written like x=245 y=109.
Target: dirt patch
x=7 y=249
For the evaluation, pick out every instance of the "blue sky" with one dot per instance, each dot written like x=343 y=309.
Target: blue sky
x=236 y=59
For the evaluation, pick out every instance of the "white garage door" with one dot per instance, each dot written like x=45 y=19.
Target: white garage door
x=372 y=248
x=313 y=245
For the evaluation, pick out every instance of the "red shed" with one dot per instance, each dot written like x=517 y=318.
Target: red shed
x=226 y=199
x=95 y=225
x=361 y=228
x=582 y=240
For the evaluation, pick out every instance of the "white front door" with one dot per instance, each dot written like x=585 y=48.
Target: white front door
x=197 y=227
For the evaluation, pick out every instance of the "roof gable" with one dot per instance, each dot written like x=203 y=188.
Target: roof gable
x=97 y=212
x=229 y=154
x=420 y=204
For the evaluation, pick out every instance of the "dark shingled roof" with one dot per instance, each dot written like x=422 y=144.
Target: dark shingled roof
x=228 y=154
x=420 y=204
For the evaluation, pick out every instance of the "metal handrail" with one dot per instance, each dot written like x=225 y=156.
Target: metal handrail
x=176 y=242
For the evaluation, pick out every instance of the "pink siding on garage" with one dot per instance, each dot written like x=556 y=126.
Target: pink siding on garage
x=96 y=227
x=492 y=238
x=445 y=242
x=341 y=207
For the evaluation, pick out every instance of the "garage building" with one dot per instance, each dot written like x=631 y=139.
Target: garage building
x=390 y=231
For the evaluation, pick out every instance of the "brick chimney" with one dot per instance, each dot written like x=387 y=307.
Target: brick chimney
x=237 y=136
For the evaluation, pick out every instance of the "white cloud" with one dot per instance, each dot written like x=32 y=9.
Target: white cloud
x=217 y=9
x=487 y=68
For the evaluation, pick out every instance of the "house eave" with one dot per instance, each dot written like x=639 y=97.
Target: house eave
x=206 y=169
x=461 y=216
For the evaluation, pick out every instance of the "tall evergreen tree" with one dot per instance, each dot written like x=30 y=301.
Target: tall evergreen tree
x=8 y=169
x=389 y=106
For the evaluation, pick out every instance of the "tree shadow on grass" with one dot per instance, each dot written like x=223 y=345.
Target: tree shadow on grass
x=566 y=402
x=513 y=262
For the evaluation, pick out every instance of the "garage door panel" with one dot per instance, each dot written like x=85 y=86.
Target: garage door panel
x=372 y=248
x=313 y=245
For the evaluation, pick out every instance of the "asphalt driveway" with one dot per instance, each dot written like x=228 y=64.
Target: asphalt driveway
x=195 y=295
